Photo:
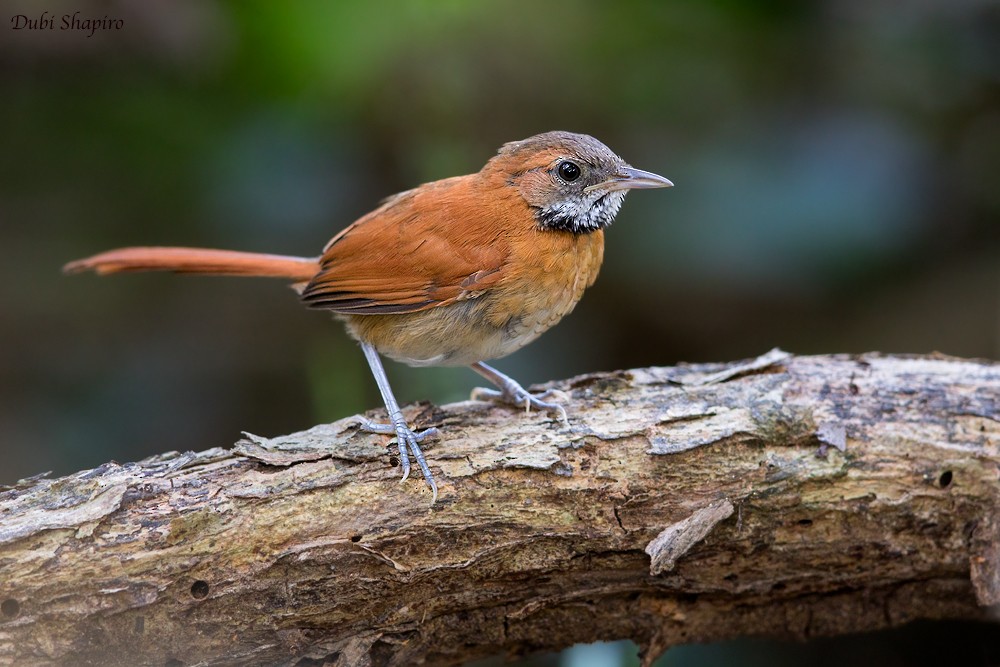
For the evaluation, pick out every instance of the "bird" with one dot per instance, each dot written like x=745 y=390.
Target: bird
x=454 y=272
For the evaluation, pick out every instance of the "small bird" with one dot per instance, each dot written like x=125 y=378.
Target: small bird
x=453 y=272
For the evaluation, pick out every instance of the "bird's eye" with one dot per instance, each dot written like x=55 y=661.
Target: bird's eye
x=569 y=171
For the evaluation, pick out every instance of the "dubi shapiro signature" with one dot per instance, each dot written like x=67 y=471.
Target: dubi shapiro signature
x=74 y=21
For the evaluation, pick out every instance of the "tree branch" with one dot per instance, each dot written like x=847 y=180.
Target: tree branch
x=790 y=496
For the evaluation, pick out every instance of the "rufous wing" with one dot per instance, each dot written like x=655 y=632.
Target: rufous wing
x=421 y=249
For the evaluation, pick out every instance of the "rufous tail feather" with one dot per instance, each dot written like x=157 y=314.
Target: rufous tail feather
x=198 y=260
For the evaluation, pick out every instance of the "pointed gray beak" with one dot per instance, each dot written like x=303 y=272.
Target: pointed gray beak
x=630 y=178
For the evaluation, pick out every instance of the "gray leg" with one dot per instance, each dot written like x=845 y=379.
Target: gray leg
x=511 y=392
x=405 y=437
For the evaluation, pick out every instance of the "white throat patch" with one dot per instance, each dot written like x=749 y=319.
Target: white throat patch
x=582 y=214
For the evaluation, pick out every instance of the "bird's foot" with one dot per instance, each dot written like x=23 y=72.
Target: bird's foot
x=514 y=394
x=408 y=441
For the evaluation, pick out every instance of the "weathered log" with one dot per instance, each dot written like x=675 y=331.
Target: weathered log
x=788 y=496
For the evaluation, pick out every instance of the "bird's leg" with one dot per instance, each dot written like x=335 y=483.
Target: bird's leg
x=406 y=438
x=513 y=393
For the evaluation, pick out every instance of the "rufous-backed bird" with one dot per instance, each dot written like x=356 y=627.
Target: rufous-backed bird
x=450 y=273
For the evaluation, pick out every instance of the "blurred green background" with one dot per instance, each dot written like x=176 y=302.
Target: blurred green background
x=836 y=167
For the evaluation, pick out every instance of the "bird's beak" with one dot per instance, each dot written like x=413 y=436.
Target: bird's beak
x=630 y=178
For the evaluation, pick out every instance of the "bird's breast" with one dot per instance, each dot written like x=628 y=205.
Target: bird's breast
x=546 y=279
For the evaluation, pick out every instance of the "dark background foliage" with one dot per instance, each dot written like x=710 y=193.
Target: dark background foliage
x=836 y=164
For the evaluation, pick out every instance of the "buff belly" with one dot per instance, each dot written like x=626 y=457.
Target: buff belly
x=458 y=334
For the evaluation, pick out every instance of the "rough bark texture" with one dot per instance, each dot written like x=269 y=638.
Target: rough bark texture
x=789 y=496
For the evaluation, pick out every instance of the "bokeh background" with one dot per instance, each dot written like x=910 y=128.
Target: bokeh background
x=837 y=170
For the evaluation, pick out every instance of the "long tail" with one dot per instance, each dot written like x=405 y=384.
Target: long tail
x=198 y=260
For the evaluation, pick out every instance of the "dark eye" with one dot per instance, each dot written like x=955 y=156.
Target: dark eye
x=569 y=171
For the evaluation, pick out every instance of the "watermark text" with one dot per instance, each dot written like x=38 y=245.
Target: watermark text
x=75 y=21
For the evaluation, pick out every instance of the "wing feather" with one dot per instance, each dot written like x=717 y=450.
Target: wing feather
x=421 y=249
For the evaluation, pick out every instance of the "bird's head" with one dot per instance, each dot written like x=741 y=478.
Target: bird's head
x=572 y=182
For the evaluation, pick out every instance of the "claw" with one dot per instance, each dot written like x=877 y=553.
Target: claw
x=514 y=394
x=406 y=442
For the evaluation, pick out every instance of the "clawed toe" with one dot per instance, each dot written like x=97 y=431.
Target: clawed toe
x=370 y=426
x=520 y=397
x=407 y=442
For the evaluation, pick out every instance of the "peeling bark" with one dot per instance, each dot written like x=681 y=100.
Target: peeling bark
x=787 y=496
